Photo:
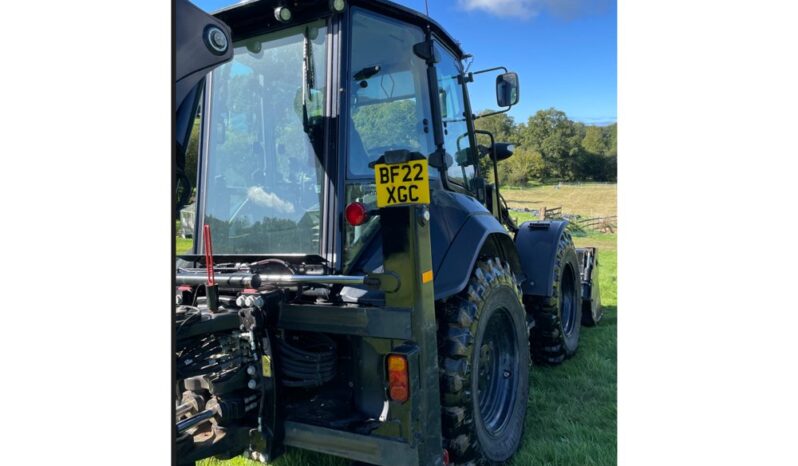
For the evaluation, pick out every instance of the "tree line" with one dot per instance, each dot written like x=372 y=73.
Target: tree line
x=552 y=147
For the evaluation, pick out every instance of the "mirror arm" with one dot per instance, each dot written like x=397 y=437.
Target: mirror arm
x=489 y=70
x=470 y=78
x=491 y=113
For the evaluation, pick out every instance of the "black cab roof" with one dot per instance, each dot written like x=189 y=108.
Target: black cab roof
x=247 y=18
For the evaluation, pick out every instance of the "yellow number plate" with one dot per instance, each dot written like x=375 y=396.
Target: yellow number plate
x=402 y=183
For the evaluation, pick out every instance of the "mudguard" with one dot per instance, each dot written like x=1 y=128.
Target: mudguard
x=536 y=243
x=461 y=229
x=481 y=232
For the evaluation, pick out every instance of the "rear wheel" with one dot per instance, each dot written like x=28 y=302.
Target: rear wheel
x=484 y=358
x=558 y=318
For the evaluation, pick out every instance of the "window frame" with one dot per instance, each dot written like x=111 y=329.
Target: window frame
x=469 y=119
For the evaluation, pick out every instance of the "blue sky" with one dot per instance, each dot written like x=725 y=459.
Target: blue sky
x=564 y=51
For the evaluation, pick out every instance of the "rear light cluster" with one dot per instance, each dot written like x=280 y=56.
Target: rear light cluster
x=398 y=381
x=356 y=214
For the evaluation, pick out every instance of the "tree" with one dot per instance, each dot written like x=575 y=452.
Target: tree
x=594 y=141
x=595 y=162
x=610 y=134
x=387 y=124
x=524 y=166
x=557 y=138
x=501 y=126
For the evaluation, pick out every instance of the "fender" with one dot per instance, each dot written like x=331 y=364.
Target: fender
x=480 y=234
x=536 y=243
x=461 y=230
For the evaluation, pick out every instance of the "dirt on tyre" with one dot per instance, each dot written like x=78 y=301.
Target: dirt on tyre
x=558 y=318
x=483 y=346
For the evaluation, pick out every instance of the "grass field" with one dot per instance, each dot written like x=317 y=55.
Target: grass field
x=571 y=414
x=587 y=199
x=182 y=245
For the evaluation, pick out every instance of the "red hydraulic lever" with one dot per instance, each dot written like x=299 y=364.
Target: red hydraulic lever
x=211 y=289
x=208 y=253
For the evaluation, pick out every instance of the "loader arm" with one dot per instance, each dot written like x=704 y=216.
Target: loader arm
x=202 y=43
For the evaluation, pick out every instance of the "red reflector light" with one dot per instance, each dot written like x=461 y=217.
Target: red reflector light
x=446 y=459
x=398 y=381
x=356 y=214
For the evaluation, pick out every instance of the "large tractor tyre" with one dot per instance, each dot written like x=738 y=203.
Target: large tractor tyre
x=592 y=311
x=483 y=342
x=558 y=318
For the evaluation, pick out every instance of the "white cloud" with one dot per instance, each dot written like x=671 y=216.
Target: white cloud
x=525 y=9
x=257 y=195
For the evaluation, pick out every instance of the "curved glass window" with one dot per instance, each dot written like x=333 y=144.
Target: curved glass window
x=264 y=175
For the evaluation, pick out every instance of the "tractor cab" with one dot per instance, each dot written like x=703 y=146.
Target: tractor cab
x=315 y=94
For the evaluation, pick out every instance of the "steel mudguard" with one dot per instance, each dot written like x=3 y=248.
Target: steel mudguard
x=536 y=243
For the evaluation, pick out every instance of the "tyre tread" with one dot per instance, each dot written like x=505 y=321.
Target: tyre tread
x=547 y=342
x=458 y=320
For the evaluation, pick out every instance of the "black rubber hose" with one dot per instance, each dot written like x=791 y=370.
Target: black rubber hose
x=308 y=360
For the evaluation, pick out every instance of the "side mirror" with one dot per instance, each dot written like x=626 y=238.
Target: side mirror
x=503 y=150
x=507 y=91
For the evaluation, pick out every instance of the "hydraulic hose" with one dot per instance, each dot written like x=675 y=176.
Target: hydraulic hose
x=307 y=360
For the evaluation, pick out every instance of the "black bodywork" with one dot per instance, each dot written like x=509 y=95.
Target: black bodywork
x=237 y=347
x=536 y=243
x=195 y=56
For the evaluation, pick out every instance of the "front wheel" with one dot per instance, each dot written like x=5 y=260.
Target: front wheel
x=484 y=358
x=558 y=317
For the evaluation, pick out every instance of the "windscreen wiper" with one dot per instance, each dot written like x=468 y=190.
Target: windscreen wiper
x=309 y=79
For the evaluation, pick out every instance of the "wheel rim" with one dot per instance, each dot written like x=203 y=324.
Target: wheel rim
x=568 y=301
x=498 y=372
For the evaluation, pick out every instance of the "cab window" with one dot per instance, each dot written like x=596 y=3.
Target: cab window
x=455 y=127
x=389 y=103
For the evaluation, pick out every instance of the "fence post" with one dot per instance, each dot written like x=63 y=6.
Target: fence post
x=543 y=213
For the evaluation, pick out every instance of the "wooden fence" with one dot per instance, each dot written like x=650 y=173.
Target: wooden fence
x=602 y=224
x=552 y=213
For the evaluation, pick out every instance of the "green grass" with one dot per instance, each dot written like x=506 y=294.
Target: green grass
x=183 y=245
x=572 y=414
